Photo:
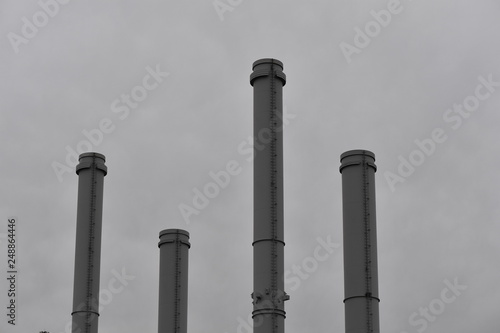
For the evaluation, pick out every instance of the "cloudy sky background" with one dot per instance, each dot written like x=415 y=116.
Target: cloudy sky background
x=439 y=224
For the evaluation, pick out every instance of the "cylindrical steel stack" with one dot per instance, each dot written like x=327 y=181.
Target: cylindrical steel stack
x=173 y=294
x=91 y=171
x=360 y=242
x=268 y=294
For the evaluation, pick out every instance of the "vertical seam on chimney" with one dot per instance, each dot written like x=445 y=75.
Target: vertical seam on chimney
x=177 y=279
x=274 y=189
x=366 y=216
x=90 y=270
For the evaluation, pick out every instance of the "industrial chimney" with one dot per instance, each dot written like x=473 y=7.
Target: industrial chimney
x=91 y=171
x=173 y=294
x=360 y=242
x=268 y=294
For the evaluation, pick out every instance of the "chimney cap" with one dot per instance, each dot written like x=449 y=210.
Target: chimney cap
x=174 y=231
x=86 y=160
x=262 y=68
x=267 y=61
x=360 y=152
x=92 y=154
x=356 y=157
x=170 y=236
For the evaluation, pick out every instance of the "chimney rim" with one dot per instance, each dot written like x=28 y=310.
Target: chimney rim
x=356 y=152
x=356 y=157
x=92 y=154
x=267 y=61
x=173 y=231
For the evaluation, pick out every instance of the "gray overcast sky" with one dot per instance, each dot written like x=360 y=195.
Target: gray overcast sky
x=416 y=82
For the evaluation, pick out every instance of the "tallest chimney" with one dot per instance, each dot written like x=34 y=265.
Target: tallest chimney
x=91 y=171
x=268 y=294
x=360 y=242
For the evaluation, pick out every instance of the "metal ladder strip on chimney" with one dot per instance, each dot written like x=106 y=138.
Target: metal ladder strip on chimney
x=90 y=267
x=177 y=281
x=274 y=197
x=367 y=229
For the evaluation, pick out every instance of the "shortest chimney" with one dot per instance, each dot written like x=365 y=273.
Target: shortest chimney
x=173 y=294
x=360 y=242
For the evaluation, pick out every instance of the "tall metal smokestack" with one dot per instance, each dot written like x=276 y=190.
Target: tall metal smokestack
x=268 y=296
x=172 y=309
x=91 y=171
x=360 y=242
